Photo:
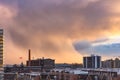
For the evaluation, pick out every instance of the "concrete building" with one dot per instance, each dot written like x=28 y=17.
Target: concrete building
x=1 y=48
x=111 y=63
x=116 y=63
x=108 y=63
x=92 y=61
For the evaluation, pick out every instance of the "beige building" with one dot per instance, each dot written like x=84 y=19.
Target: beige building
x=111 y=63
x=116 y=63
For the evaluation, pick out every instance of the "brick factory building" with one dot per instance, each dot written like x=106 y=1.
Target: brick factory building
x=44 y=63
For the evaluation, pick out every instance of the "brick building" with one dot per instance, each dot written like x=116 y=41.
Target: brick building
x=44 y=63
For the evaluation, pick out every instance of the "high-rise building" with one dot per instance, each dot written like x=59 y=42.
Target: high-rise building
x=1 y=48
x=92 y=61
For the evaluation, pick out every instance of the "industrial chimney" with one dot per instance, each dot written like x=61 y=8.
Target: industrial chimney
x=29 y=57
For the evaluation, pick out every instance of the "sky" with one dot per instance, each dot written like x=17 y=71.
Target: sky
x=64 y=30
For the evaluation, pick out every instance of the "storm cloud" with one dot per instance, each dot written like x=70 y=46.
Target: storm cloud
x=52 y=26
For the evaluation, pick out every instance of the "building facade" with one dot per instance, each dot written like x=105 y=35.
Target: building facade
x=44 y=63
x=92 y=61
x=116 y=63
x=111 y=63
x=1 y=48
x=108 y=63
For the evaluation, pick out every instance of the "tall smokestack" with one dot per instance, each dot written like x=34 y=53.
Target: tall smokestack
x=29 y=57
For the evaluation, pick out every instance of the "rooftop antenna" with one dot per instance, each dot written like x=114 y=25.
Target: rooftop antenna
x=92 y=51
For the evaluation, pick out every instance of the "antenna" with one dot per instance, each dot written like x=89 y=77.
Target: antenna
x=92 y=51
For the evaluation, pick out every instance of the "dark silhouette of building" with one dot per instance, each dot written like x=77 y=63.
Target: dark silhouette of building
x=44 y=63
x=92 y=61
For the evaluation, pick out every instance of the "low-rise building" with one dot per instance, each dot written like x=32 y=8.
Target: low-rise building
x=111 y=63
x=45 y=64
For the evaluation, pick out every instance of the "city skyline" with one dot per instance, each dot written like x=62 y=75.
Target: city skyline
x=59 y=29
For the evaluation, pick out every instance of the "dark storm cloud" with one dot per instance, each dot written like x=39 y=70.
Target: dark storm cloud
x=53 y=18
x=39 y=23
x=82 y=46
x=89 y=47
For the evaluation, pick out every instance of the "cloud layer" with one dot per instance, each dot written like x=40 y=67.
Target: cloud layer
x=102 y=47
x=51 y=27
